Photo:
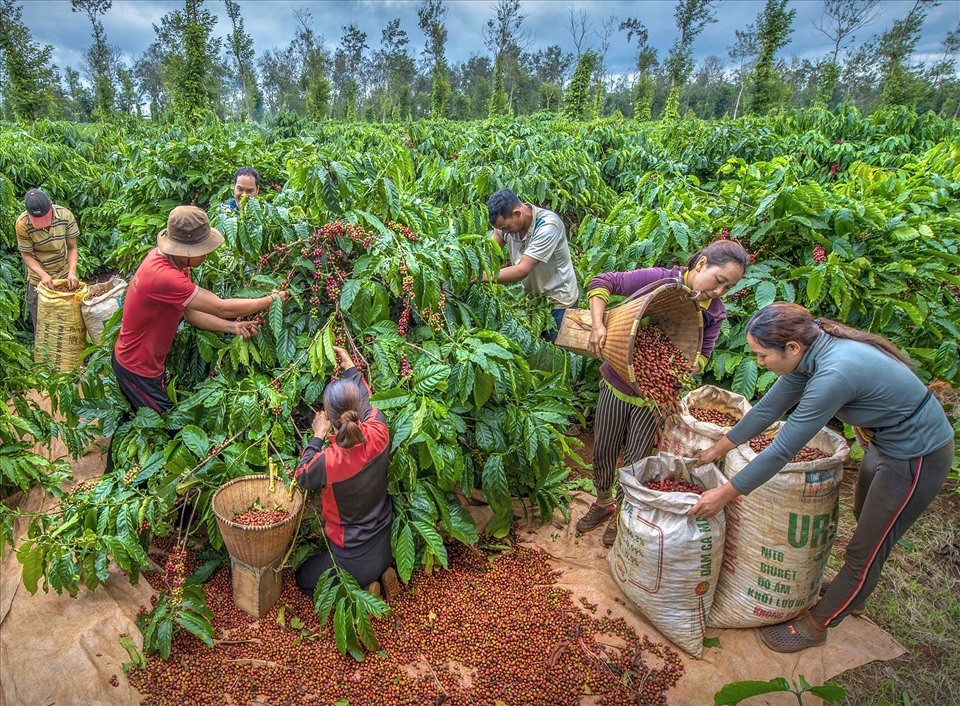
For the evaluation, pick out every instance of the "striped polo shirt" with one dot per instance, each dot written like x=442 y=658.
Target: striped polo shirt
x=48 y=245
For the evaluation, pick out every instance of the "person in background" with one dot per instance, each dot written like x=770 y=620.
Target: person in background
x=159 y=294
x=828 y=369
x=349 y=467
x=625 y=422
x=47 y=239
x=246 y=183
x=536 y=242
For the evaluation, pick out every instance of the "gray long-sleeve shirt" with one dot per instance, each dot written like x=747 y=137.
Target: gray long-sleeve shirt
x=859 y=384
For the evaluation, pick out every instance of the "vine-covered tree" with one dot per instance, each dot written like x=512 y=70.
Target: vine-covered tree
x=774 y=27
x=841 y=18
x=432 y=15
x=100 y=59
x=644 y=86
x=576 y=100
x=191 y=68
x=395 y=72
x=691 y=16
x=240 y=47
x=550 y=68
x=28 y=78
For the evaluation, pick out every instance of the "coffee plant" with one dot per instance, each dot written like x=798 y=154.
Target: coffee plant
x=379 y=233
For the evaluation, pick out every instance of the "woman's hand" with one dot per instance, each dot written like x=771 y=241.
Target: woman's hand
x=346 y=362
x=715 y=452
x=321 y=425
x=247 y=329
x=598 y=337
x=713 y=501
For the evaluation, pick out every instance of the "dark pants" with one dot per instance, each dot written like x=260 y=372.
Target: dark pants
x=891 y=494
x=140 y=392
x=365 y=568
x=619 y=426
x=32 y=298
x=557 y=315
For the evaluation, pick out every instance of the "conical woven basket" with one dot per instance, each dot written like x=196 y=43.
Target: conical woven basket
x=256 y=547
x=668 y=306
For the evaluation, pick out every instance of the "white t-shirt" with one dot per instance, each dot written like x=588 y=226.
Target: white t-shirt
x=546 y=242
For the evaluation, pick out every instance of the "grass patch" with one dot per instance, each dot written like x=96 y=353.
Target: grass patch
x=918 y=603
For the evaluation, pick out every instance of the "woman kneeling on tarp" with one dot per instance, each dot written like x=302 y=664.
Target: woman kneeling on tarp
x=827 y=369
x=624 y=421
x=351 y=475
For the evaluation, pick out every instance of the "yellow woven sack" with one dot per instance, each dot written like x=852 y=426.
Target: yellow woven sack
x=61 y=334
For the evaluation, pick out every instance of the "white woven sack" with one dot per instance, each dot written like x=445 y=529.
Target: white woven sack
x=666 y=562
x=779 y=537
x=101 y=302
x=685 y=435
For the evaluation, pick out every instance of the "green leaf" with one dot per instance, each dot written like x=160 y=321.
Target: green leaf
x=430 y=377
x=197 y=625
x=737 y=691
x=404 y=552
x=745 y=378
x=766 y=294
x=433 y=540
x=31 y=556
x=482 y=388
x=494 y=483
x=814 y=287
x=348 y=293
x=275 y=317
x=711 y=642
x=195 y=439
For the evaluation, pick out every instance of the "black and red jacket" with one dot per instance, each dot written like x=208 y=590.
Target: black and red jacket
x=352 y=482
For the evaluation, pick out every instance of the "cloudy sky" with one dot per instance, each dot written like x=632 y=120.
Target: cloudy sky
x=129 y=24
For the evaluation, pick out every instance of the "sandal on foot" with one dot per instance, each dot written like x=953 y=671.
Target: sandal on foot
x=791 y=636
x=391 y=585
x=610 y=533
x=595 y=516
x=825 y=584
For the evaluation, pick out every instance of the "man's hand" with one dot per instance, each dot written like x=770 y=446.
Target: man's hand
x=321 y=425
x=72 y=281
x=46 y=280
x=283 y=294
x=346 y=362
x=598 y=337
x=247 y=329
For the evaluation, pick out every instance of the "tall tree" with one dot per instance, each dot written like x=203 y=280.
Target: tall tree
x=395 y=72
x=504 y=37
x=944 y=73
x=691 y=16
x=313 y=62
x=79 y=105
x=606 y=31
x=743 y=52
x=128 y=97
x=191 y=67
x=28 y=78
x=432 y=16
x=349 y=68
x=240 y=47
x=899 y=85
x=841 y=18
x=644 y=86
x=578 y=25
x=550 y=67
x=148 y=71
x=99 y=58
x=774 y=27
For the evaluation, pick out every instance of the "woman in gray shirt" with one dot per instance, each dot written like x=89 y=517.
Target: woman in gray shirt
x=828 y=369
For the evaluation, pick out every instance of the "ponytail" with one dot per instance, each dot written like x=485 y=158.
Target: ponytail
x=779 y=323
x=341 y=400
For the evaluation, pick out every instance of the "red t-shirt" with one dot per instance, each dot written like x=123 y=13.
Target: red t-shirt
x=156 y=298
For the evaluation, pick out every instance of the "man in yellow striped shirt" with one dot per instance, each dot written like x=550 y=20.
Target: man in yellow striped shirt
x=47 y=240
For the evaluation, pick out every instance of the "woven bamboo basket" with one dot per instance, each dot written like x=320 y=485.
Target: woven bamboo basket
x=668 y=306
x=256 y=547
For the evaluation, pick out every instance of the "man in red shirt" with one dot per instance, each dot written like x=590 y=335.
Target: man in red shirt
x=159 y=293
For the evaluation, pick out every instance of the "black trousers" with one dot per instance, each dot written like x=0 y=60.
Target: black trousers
x=140 y=392
x=365 y=568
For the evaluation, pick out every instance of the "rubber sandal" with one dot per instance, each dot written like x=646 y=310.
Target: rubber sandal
x=789 y=637
x=391 y=585
x=610 y=533
x=595 y=516
x=825 y=584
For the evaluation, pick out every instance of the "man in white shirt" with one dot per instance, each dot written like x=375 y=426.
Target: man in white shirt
x=536 y=241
